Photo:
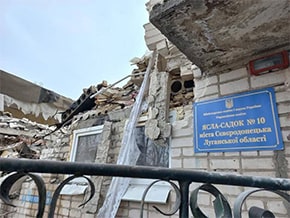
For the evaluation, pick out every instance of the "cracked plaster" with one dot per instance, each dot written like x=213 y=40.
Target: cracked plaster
x=223 y=35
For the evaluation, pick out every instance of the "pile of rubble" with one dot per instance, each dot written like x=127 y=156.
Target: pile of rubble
x=21 y=138
x=104 y=98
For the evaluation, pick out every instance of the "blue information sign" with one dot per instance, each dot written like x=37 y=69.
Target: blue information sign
x=243 y=122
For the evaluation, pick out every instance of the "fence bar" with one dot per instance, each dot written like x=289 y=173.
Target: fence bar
x=184 y=190
x=76 y=168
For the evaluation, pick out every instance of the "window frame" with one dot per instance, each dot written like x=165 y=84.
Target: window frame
x=79 y=185
x=82 y=132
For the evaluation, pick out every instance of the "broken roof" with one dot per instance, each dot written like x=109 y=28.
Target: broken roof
x=25 y=99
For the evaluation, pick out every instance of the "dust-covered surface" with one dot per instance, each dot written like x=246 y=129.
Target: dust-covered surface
x=222 y=35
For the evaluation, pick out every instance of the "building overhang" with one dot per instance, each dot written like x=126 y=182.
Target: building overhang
x=223 y=35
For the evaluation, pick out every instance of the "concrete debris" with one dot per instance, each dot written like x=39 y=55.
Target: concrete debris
x=119 y=97
x=138 y=74
x=142 y=62
x=186 y=72
x=23 y=124
x=20 y=149
x=20 y=138
x=115 y=98
x=25 y=151
x=153 y=112
x=104 y=98
x=152 y=130
x=5 y=113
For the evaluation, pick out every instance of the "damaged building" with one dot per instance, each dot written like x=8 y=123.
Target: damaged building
x=23 y=99
x=198 y=101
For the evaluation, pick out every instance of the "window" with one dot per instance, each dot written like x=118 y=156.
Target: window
x=85 y=144
x=151 y=154
x=84 y=148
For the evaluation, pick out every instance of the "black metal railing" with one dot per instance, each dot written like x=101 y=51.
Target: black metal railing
x=25 y=167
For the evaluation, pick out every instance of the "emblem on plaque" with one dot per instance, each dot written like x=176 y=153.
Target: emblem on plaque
x=229 y=103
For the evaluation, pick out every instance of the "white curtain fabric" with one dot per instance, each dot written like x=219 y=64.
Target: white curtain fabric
x=128 y=154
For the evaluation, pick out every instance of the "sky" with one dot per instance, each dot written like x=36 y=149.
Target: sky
x=68 y=45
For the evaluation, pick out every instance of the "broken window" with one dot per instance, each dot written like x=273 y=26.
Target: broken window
x=83 y=149
x=151 y=154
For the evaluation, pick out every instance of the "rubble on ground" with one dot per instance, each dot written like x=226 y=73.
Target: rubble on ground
x=21 y=138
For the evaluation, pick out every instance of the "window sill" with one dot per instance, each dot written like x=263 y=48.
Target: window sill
x=74 y=189
x=158 y=193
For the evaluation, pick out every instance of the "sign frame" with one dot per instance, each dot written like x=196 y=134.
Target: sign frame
x=242 y=122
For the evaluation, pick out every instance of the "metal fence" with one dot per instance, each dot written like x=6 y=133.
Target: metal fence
x=179 y=179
